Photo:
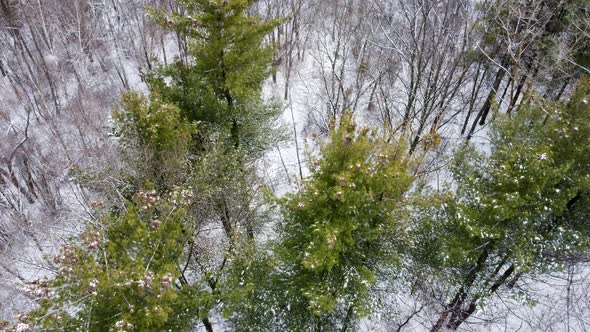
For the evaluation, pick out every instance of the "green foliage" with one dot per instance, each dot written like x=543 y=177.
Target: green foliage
x=122 y=274
x=155 y=138
x=201 y=128
x=157 y=125
x=524 y=205
x=223 y=86
x=344 y=223
x=249 y=285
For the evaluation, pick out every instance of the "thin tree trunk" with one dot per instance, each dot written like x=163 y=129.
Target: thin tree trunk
x=347 y=319
x=207 y=324
x=454 y=308
x=463 y=315
x=485 y=109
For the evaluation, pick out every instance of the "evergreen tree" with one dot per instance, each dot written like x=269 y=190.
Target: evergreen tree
x=220 y=90
x=124 y=273
x=155 y=141
x=344 y=224
x=221 y=85
x=522 y=209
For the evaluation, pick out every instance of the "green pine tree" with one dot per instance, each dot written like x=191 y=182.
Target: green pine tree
x=222 y=84
x=522 y=209
x=345 y=223
x=124 y=273
x=155 y=140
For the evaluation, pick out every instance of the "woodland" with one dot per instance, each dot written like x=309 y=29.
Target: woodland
x=294 y=165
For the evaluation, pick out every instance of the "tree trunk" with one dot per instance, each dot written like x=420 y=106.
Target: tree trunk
x=207 y=324
x=454 y=308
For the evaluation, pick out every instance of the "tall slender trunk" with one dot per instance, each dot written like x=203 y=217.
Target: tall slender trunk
x=348 y=319
x=485 y=109
x=207 y=324
x=454 y=308
x=463 y=315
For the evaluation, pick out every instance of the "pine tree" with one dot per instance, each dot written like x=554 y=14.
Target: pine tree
x=123 y=274
x=155 y=141
x=220 y=90
x=521 y=209
x=221 y=85
x=345 y=222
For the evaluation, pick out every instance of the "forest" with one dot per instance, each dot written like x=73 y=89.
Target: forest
x=294 y=165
